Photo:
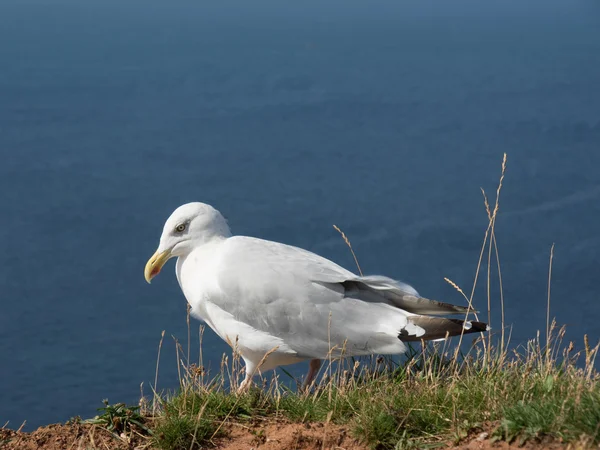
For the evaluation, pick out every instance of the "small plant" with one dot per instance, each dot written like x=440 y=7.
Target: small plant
x=74 y=420
x=119 y=418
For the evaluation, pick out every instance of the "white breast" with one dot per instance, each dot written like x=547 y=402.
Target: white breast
x=198 y=278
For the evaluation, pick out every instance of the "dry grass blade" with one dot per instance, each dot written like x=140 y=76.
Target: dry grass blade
x=457 y=287
x=501 y=289
x=347 y=241
x=189 y=334
x=487 y=205
x=491 y=248
x=497 y=205
x=162 y=337
x=548 y=304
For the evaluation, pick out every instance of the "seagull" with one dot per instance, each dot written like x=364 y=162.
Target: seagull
x=277 y=304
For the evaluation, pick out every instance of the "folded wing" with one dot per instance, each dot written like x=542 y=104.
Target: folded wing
x=313 y=304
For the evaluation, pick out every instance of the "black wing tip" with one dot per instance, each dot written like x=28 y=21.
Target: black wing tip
x=479 y=327
x=466 y=327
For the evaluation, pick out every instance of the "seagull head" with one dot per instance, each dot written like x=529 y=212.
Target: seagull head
x=189 y=226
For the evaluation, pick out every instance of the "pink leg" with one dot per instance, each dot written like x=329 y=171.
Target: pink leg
x=313 y=368
x=245 y=384
x=250 y=372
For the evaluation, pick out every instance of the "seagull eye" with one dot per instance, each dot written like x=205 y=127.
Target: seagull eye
x=180 y=228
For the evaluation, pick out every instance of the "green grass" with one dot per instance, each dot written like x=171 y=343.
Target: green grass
x=436 y=396
x=527 y=396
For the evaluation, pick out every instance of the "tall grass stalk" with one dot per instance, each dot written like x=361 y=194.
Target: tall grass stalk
x=548 y=304
x=162 y=337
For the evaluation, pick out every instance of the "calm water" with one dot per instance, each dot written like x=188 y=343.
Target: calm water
x=383 y=117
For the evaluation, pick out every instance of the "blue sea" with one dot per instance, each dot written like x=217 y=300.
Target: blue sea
x=383 y=117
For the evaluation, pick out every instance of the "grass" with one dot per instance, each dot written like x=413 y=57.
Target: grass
x=440 y=393
x=427 y=399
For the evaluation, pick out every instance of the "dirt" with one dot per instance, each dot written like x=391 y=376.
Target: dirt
x=259 y=435
x=546 y=445
x=67 y=437
x=275 y=435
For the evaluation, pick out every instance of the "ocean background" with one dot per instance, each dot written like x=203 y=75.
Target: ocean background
x=382 y=117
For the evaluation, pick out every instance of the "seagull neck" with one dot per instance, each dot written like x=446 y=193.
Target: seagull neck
x=208 y=240
x=218 y=229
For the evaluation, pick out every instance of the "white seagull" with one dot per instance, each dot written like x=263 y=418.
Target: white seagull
x=278 y=304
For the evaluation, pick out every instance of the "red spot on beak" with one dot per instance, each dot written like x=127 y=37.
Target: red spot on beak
x=155 y=271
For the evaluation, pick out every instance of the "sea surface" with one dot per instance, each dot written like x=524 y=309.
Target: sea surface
x=383 y=117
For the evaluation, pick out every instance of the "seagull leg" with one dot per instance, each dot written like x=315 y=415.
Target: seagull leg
x=244 y=385
x=313 y=368
x=250 y=369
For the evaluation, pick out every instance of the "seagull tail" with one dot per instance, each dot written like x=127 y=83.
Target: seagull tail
x=432 y=328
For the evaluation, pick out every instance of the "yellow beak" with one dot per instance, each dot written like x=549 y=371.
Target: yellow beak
x=155 y=263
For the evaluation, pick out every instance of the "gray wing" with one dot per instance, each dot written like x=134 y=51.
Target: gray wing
x=310 y=266
x=312 y=303
x=376 y=288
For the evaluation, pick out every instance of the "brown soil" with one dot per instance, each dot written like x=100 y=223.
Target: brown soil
x=482 y=441
x=275 y=435
x=67 y=437
x=260 y=435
